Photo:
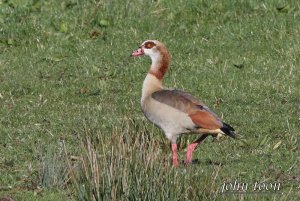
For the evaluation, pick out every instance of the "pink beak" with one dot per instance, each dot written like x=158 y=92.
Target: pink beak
x=138 y=52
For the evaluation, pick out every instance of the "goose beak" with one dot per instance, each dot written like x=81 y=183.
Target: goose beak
x=138 y=52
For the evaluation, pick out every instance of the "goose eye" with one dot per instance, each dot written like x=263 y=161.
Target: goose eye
x=149 y=45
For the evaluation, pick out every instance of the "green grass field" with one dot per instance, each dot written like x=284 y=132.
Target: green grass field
x=71 y=127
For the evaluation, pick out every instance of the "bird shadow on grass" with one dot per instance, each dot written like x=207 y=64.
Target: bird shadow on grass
x=210 y=162
x=205 y=162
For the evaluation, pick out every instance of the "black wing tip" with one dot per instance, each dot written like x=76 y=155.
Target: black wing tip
x=228 y=126
x=228 y=130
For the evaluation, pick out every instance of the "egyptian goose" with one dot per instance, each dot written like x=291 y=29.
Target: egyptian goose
x=174 y=111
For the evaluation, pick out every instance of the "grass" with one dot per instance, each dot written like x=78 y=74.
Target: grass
x=71 y=127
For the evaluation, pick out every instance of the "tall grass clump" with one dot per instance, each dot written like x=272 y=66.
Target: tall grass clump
x=130 y=165
x=53 y=172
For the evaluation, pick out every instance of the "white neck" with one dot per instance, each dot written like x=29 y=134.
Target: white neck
x=156 y=59
x=150 y=85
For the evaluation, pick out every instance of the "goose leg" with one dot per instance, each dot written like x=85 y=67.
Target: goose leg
x=175 y=155
x=192 y=147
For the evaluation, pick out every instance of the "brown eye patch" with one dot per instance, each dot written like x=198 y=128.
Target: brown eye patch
x=149 y=44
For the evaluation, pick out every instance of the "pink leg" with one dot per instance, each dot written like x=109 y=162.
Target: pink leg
x=175 y=155
x=191 y=148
